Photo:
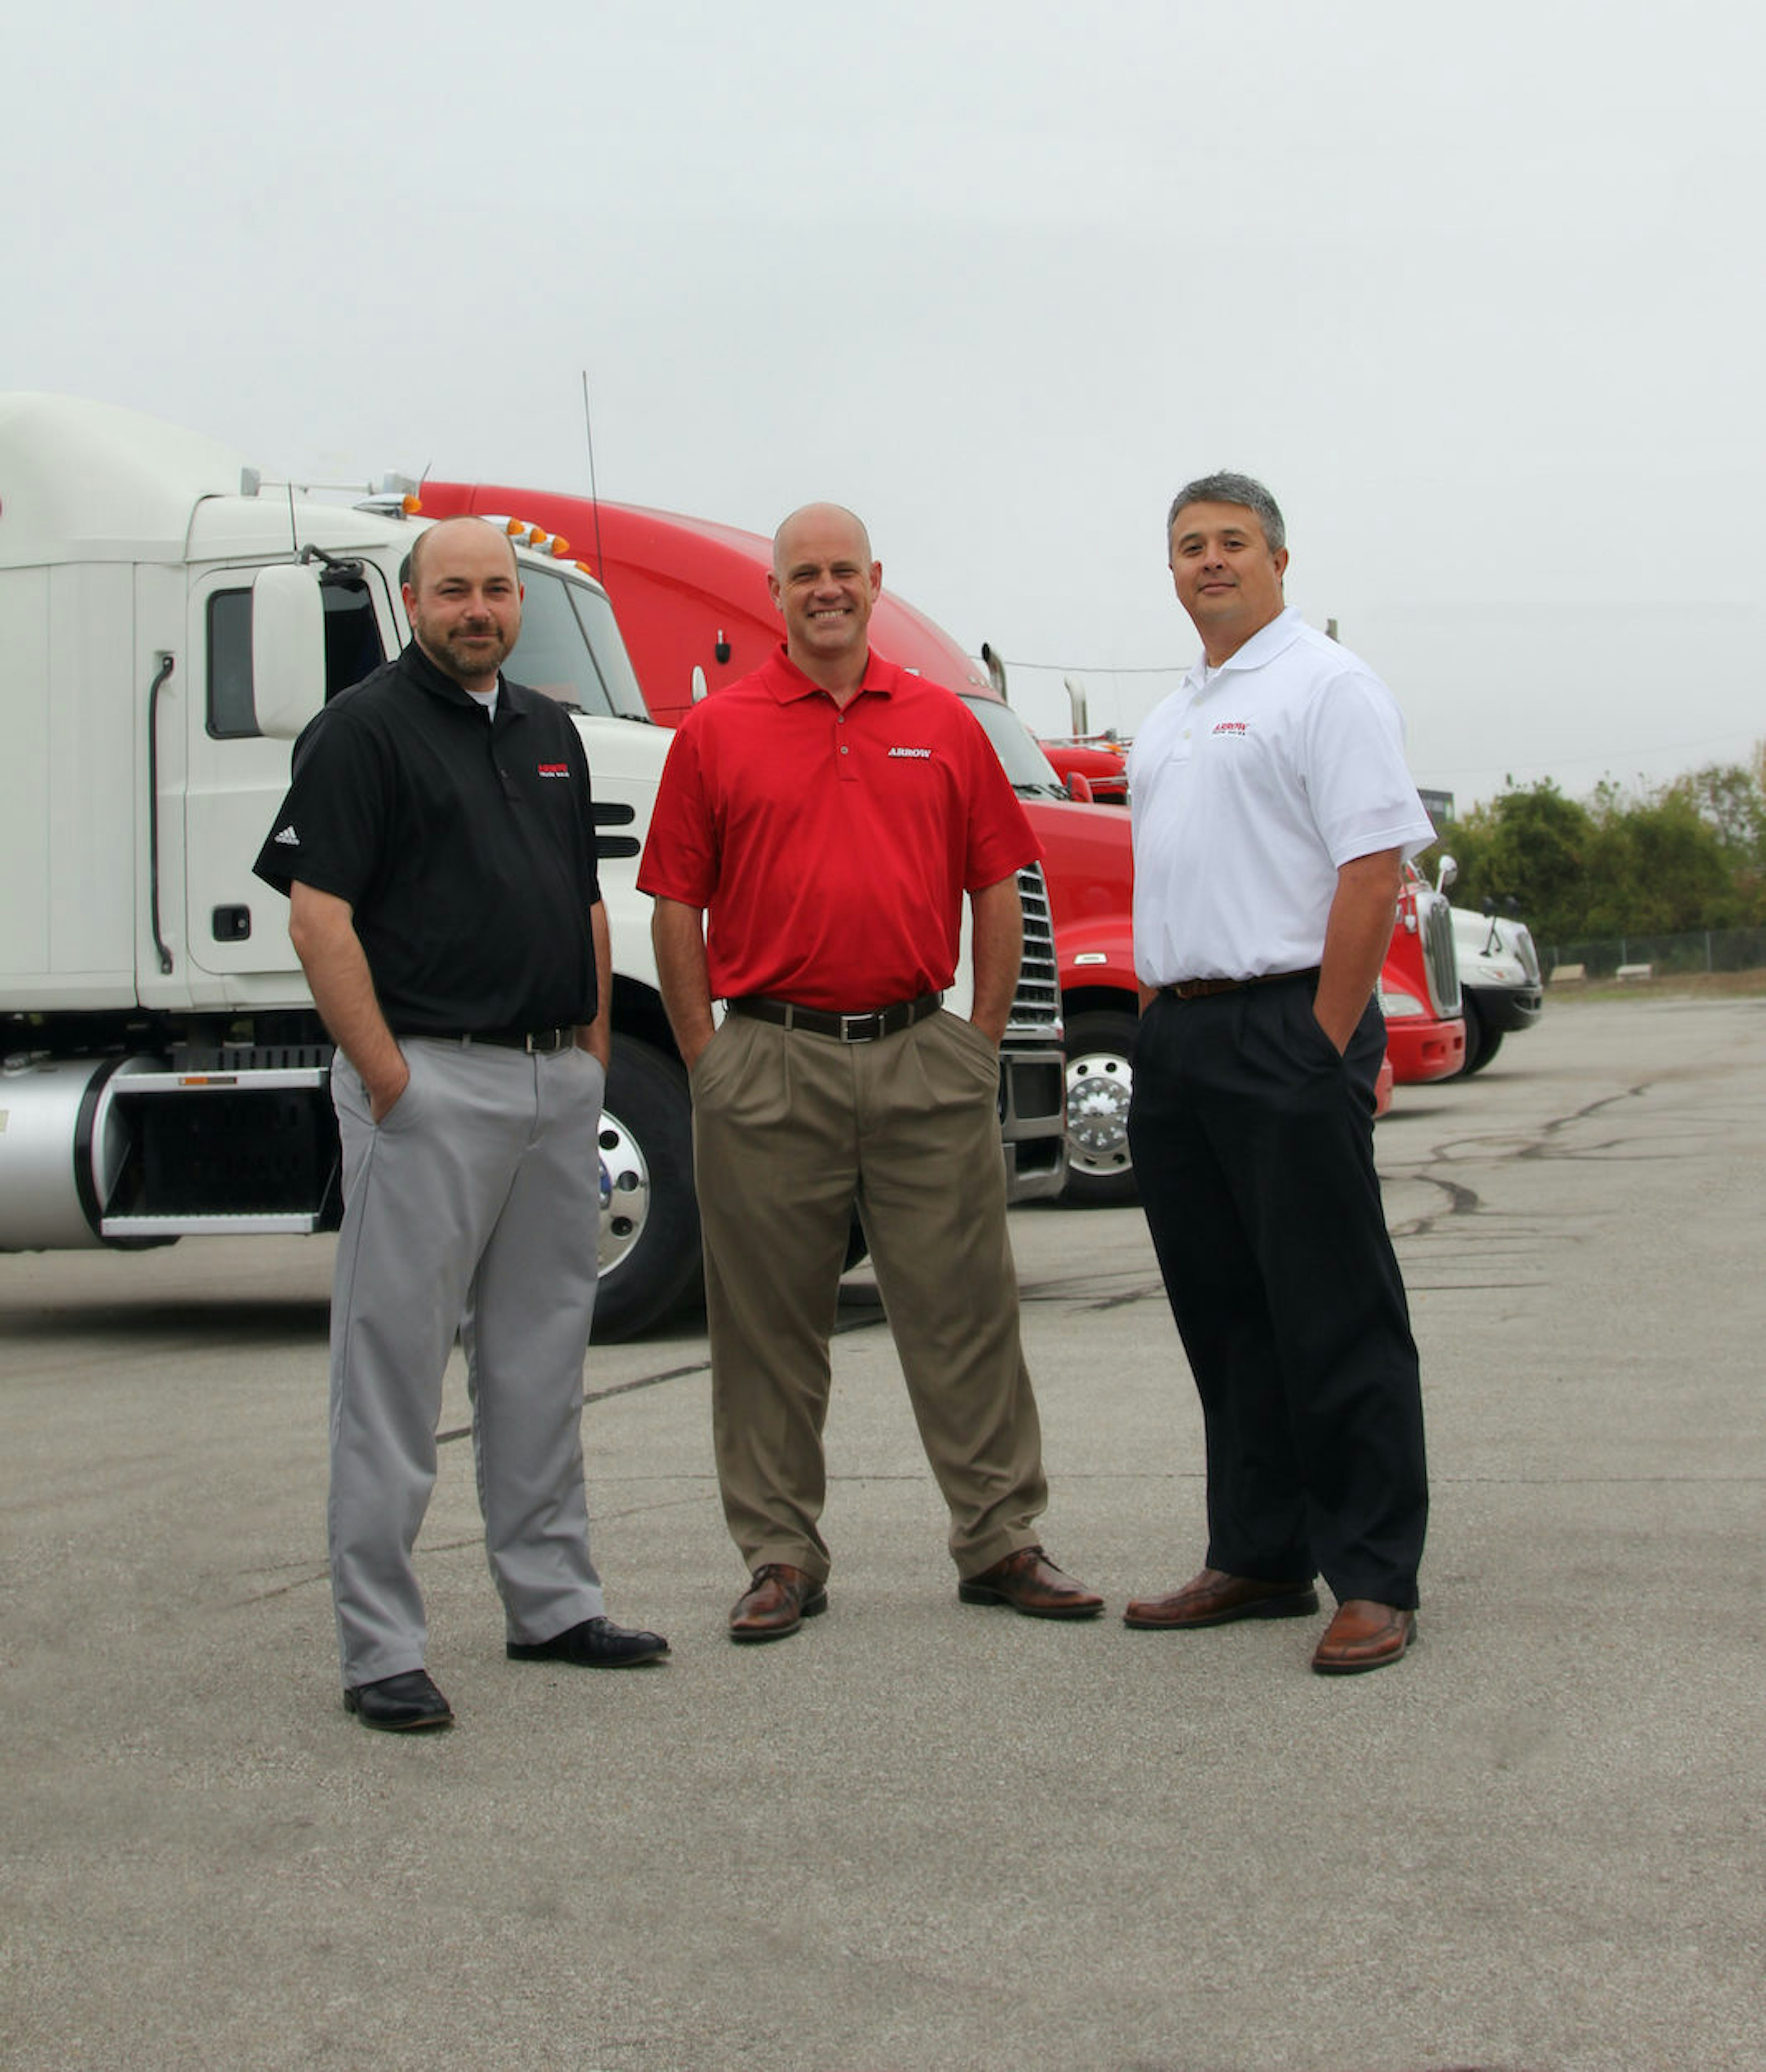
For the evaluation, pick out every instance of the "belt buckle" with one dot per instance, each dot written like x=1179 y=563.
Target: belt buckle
x=848 y=1028
x=542 y=1043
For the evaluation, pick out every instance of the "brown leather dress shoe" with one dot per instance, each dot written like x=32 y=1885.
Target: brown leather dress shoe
x=1031 y=1583
x=1215 y=1598
x=1364 y=1635
x=777 y=1602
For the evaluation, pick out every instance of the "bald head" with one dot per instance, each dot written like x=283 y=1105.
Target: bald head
x=825 y=519
x=468 y=531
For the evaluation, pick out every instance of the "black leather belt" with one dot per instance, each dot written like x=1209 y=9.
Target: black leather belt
x=539 y=1042
x=848 y=1028
x=1200 y=989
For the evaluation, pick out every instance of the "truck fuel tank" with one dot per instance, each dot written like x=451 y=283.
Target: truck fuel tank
x=61 y=1149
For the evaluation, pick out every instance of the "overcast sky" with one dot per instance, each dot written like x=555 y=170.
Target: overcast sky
x=1478 y=291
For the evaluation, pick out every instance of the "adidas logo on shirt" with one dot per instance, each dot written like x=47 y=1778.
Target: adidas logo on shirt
x=288 y=838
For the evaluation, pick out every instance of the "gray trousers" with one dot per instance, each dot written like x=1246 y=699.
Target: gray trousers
x=791 y=1132
x=472 y=1208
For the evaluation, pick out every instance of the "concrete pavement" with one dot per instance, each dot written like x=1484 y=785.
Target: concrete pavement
x=923 y=1837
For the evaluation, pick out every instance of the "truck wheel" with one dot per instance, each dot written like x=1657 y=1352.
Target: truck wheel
x=1100 y=1172
x=649 y=1219
x=1482 y=1041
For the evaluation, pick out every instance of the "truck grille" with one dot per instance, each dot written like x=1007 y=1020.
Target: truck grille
x=1440 y=959
x=1038 y=1003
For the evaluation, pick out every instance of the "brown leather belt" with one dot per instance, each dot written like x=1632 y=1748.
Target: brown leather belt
x=848 y=1028
x=539 y=1042
x=1200 y=989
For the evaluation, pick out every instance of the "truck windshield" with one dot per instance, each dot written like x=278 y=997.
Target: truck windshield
x=570 y=647
x=1025 y=763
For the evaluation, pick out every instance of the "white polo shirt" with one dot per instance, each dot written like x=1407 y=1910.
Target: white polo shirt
x=1249 y=787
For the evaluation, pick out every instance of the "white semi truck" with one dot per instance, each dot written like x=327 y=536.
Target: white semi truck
x=167 y=626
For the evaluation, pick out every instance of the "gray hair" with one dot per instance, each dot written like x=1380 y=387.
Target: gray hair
x=1232 y=489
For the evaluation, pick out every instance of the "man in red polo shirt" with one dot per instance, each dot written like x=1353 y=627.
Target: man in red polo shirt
x=817 y=829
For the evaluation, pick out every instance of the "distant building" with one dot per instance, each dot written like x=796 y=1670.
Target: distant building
x=1437 y=805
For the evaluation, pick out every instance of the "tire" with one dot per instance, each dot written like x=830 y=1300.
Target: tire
x=649 y=1242
x=1100 y=1171
x=1482 y=1041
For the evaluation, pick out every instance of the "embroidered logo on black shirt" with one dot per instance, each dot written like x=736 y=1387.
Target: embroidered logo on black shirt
x=554 y=770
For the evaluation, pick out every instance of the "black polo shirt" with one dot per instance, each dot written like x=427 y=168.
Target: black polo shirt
x=464 y=844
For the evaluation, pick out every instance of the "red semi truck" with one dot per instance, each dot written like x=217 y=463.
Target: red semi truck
x=693 y=605
x=692 y=601
x=1419 y=989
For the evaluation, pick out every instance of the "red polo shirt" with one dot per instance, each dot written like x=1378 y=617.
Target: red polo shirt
x=832 y=848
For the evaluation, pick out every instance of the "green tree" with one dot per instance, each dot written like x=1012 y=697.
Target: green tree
x=1531 y=845
x=1657 y=866
x=1730 y=796
x=1686 y=855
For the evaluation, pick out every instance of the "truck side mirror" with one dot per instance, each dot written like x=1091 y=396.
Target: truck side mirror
x=287 y=649
x=1445 y=875
x=1079 y=788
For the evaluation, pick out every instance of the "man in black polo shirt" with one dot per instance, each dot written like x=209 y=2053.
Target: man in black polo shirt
x=437 y=847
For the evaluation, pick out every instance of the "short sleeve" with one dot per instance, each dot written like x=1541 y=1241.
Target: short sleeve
x=330 y=829
x=681 y=853
x=1358 y=782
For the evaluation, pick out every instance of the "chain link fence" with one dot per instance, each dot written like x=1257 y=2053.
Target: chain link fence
x=1704 y=950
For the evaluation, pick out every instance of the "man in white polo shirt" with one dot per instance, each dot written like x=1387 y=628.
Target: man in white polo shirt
x=1272 y=813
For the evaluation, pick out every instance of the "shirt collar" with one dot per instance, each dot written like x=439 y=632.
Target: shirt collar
x=1263 y=646
x=424 y=673
x=788 y=682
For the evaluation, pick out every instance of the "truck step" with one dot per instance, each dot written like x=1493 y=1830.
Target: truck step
x=292 y=1223
x=258 y=1080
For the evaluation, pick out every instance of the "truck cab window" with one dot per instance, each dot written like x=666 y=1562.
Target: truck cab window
x=353 y=649
x=231 y=715
x=570 y=649
x=1017 y=748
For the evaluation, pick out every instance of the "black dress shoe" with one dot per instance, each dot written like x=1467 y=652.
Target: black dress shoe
x=400 y=1705
x=596 y=1643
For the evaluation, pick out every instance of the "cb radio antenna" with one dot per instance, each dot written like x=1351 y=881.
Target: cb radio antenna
x=595 y=502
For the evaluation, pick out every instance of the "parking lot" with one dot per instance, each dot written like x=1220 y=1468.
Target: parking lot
x=921 y=1836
